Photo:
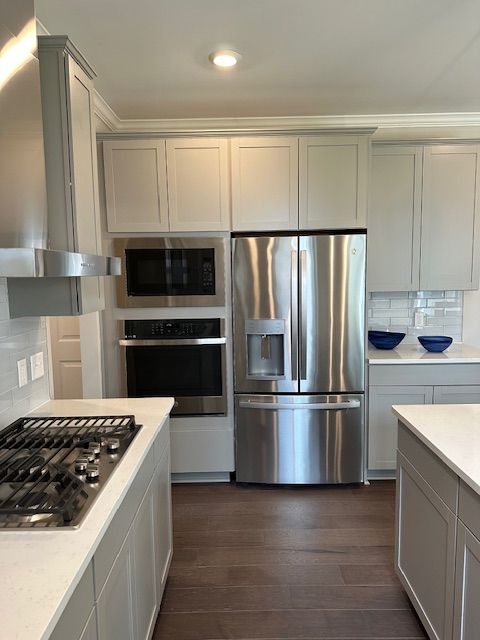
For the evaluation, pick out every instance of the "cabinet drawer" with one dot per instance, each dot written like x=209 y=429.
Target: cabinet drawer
x=423 y=374
x=116 y=532
x=75 y=616
x=442 y=479
x=469 y=508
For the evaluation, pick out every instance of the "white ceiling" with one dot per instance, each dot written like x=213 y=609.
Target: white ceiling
x=300 y=57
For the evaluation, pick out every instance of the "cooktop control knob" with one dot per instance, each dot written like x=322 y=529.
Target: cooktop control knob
x=113 y=445
x=92 y=472
x=81 y=465
x=89 y=455
x=94 y=447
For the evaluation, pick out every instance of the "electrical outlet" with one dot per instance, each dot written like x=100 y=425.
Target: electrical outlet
x=36 y=365
x=22 y=372
x=419 y=319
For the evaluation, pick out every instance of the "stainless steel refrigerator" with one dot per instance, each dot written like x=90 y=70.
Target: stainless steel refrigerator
x=299 y=348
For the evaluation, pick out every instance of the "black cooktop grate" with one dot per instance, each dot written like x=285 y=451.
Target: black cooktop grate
x=33 y=479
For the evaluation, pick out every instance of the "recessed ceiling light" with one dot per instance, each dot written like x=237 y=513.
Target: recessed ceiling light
x=224 y=58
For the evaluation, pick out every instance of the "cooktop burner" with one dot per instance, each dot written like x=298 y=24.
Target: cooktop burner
x=52 y=469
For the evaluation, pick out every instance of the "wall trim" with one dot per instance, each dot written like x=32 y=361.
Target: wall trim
x=356 y=123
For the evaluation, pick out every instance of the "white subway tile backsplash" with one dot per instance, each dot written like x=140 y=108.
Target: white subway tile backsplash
x=19 y=338
x=395 y=311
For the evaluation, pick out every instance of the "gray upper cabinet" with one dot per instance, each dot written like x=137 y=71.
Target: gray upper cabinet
x=136 y=185
x=450 y=217
x=333 y=174
x=264 y=183
x=198 y=184
x=71 y=170
x=423 y=219
x=394 y=219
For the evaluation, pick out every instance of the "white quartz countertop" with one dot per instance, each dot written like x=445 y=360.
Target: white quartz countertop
x=40 y=569
x=413 y=354
x=452 y=431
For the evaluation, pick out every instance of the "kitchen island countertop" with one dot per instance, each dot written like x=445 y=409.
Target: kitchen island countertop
x=458 y=353
x=40 y=569
x=452 y=432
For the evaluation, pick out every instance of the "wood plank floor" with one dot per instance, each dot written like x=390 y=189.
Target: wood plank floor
x=274 y=563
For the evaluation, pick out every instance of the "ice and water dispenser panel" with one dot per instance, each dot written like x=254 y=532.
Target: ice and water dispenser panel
x=265 y=349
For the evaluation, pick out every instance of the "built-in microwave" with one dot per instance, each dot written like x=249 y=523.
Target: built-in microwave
x=171 y=272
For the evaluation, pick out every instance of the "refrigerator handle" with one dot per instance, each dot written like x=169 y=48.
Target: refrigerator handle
x=323 y=406
x=294 y=316
x=303 y=315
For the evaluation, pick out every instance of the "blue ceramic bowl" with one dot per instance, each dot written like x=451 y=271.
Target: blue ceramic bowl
x=385 y=339
x=435 y=343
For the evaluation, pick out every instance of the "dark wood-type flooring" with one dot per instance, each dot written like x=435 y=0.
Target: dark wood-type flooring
x=276 y=563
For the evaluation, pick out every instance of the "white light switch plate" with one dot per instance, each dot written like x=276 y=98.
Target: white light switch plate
x=22 y=372
x=36 y=365
x=419 y=319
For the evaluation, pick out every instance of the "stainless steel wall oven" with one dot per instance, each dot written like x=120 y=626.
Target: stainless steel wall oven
x=180 y=358
x=171 y=272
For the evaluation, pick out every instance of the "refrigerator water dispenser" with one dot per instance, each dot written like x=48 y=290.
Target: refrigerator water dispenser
x=265 y=349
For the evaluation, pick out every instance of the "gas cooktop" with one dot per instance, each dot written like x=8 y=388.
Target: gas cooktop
x=52 y=469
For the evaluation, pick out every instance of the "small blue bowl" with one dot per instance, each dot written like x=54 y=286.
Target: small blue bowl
x=436 y=344
x=385 y=339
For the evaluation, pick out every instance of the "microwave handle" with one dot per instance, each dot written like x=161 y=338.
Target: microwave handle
x=125 y=342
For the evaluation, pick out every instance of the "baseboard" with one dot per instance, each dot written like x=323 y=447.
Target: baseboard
x=214 y=476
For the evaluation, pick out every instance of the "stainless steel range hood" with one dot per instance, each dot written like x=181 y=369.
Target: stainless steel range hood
x=47 y=263
x=26 y=250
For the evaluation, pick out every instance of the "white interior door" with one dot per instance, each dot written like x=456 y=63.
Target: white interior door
x=66 y=357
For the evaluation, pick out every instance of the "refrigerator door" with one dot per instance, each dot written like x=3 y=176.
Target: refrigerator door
x=332 y=313
x=265 y=314
x=299 y=439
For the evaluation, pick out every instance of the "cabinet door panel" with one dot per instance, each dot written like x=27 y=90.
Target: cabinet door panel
x=468 y=394
x=450 y=224
x=115 y=605
x=333 y=182
x=90 y=630
x=198 y=184
x=265 y=183
x=163 y=522
x=382 y=424
x=135 y=185
x=425 y=550
x=143 y=540
x=466 y=623
x=394 y=218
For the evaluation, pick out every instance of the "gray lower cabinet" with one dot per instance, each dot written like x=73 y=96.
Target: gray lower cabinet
x=382 y=430
x=115 y=609
x=467 y=586
x=437 y=542
x=90 y=630
x=462 y=394
x=119 y=595
x=425 y=550
x=144 y=573
x=163 y=523
x=410 y=384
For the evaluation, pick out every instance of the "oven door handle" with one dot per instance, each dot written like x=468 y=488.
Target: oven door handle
x=188 y=342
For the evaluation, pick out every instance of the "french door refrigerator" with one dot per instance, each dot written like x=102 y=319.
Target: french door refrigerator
x=299 y=350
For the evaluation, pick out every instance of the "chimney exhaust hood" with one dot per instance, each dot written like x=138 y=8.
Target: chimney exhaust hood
x=30 y=243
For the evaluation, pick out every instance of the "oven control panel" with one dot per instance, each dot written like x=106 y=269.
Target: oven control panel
x=161 y=329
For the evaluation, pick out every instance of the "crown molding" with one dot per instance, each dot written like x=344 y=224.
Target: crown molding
x=366 y=123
